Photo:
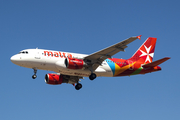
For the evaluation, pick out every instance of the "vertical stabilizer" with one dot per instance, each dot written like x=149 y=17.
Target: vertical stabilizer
x=145 y=53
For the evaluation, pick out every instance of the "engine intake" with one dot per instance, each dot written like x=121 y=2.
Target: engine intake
x=55 y=79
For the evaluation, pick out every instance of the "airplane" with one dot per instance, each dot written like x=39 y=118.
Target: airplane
x=71 y=67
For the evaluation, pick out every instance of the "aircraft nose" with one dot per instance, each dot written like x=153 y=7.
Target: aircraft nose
x=14 y=59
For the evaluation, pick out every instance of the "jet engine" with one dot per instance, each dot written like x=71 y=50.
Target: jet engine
x=55 y=79
x=73 y=63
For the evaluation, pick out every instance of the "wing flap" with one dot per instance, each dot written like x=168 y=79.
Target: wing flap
x=155 y=63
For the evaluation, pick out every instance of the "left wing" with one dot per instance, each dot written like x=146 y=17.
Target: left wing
x=95 y=59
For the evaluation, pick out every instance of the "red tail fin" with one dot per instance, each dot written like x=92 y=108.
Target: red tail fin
x=146 y=52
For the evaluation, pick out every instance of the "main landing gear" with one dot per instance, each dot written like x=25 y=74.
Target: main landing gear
x=78 y=86
x=35 y=71
x=92 y=76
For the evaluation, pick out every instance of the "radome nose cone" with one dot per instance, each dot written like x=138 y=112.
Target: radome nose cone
x=14 y=59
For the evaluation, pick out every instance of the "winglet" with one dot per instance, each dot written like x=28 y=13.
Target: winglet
x=139 y=37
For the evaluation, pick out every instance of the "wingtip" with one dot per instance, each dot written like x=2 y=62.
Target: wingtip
x=139 y=37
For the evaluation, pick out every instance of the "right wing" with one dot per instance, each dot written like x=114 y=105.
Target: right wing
x=95 y=59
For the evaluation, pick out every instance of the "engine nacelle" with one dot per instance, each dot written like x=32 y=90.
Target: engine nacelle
x=55 y=79
x=73 y=63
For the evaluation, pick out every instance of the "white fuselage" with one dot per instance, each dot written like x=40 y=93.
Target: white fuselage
x=54 y=61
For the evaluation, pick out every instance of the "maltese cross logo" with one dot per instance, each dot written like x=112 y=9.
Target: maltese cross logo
x=147 y=54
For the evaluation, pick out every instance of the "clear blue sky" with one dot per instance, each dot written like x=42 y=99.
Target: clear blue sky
x=86 y=26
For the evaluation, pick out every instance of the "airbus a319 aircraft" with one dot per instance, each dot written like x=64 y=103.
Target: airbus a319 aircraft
x=71 y=67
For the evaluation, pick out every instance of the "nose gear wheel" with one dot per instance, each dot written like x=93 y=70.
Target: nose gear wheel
x=35 y=71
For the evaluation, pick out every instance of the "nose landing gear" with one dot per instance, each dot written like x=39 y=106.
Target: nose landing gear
x=35 y=71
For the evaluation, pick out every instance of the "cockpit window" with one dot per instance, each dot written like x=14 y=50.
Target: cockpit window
x=23 y=52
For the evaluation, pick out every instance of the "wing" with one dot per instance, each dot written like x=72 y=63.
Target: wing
x=95 y=59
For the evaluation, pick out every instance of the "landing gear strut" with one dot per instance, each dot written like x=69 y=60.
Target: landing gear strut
x=92 y=76
x=35 y=71
x=78 y=86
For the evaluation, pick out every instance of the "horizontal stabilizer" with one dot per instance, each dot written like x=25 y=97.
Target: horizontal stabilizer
x=155 y=63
